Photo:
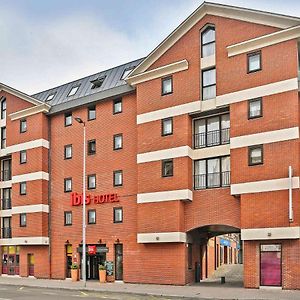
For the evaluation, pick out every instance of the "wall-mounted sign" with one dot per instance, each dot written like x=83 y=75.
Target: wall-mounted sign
x=77 y=199
x=270 y=248
x=92 y=249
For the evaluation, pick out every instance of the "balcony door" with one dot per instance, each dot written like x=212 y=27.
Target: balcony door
x=6 y=170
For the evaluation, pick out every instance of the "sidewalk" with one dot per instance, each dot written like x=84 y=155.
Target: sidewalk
x=203 y=291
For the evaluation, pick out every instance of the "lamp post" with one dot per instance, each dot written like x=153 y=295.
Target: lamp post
x=83 y=268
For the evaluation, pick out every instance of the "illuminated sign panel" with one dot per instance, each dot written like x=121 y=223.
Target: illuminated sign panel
x=77 y=199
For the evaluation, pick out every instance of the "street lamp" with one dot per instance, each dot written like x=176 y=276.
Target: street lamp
x=83 y=268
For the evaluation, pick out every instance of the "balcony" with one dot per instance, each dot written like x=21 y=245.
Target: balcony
x=211 y=180
x=6 y=233
x=211 y=138
x=6 y=203
x=5 y=175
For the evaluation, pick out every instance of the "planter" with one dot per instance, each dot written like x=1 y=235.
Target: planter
x=110 y=278
x=74 y=274
x=102 y=276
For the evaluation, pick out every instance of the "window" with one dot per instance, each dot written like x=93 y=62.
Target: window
x=68 y=119
x=3 y=137
x=23 y=157
x=118 y=214
x=97 y=83
x=209 y=84
x=73 y=90
x=23 y=188
x=208 y=41
x=255 y=108
x=91 y=182
x=167 y=86
x=50 y=96
x=117 y=107
x=212 y=131
x=23 y=220
x=126 y=72
x=118 y=141
x=212 y=173
x=68 y=151
x=3 y=109
x=254 y=62
x=68 y=185
x=91 y=147
x=6 y=198
x=23 y=126
x=255 y=155
x=92 y=112
x=167 y=126
x=118 y=178
x=91 y=216
x=68 y=218
x=167 y=168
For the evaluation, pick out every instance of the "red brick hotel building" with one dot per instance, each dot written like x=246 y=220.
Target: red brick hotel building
x=198 y=139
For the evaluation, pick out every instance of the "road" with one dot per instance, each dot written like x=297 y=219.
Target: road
x=8 y=292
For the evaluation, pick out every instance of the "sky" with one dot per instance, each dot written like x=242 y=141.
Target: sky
x=46 y=43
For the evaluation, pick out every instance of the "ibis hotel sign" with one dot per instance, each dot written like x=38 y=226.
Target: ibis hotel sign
x=77 y=199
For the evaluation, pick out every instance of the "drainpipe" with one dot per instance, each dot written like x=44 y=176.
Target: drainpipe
x=291 y=215
x=49 y=195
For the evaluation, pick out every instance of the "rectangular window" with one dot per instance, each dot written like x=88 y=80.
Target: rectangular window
x=23 y=126
x=68 y=151
x=3 y=137
x=167 y=168
x=118 y=141
x=92 y=113
x=6 y=198
x=23 y=157
x=167 y=126
x=255 y=155
x=167 y=86
x=68 y=119
x=23 y=220
x=254 y=61
x=92 y=216
x=255 y=108
x=50 y=96
x=23 y=189
x=126 y=73
x=212 y=131
x=208 y=38
x=209 y=84
x=118 y=178
x=73 y=90
x=118 y=214
x=97 y=83
x=117 y=106
x=3 y=109
x=91 y=182
x=68 y=218
x=68 y=185
x=91 y=147
x=212 y=173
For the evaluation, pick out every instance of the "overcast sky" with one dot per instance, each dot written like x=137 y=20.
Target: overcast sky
x=45 y=43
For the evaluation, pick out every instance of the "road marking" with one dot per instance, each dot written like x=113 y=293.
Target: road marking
x=83 y=293
x=49 y=293
x=5 y=299
x=21 y=288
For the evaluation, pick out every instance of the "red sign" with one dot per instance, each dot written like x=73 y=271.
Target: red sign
x=77 y=199
x=92 y=250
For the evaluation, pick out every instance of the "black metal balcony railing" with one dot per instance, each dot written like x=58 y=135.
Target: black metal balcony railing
x=5 y=175
x=6 y=233
x=211 y=138
x=211 y=180
x=6 y=203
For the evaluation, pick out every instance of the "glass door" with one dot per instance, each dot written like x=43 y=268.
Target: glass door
x=119 y=261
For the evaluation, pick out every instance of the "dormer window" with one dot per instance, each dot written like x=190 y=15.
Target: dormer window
x=50 y=96
x=126 y=73
x=73 y=90
x=208 y=41
x=98 y=82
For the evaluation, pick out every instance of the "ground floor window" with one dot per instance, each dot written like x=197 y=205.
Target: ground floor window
x=10 y=260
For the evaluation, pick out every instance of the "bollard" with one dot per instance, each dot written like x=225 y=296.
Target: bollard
x=222 y=279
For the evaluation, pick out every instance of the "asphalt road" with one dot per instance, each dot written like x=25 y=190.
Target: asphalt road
x=8 y=292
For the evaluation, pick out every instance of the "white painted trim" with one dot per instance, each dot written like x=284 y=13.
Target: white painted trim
x=208 y=104
x=169 y=112
x=28 y=145
x=259 y=91
x=280 y=135
x=5 y=213
x=36 y=240
x=263 y=186
x=270 y=233
x=222 y=150
x=5 y=184
x=35 y=208
x=162 y=237
x=159 y=72
x=264 y=41
x=2 y=121
x=41 y=175
x=208 y=62
x=42 y=108
x=165 y=196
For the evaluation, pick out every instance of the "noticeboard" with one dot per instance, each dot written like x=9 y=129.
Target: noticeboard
x=109 y=268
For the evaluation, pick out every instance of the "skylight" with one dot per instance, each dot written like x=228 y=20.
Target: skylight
x=97 y=83
x=126 y=73
x=73 y=91
x=50 y=96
